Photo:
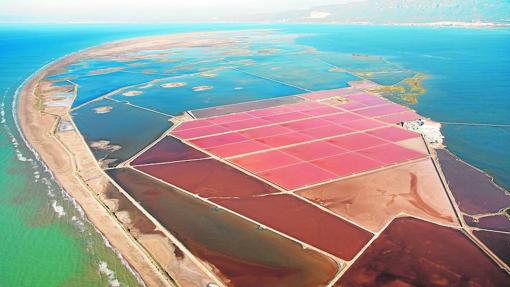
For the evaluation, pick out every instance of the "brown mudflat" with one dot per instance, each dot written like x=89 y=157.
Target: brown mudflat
x=374 y=199
x=411 y=252
x=208 y=178
x=241 y=253
x=300 y=219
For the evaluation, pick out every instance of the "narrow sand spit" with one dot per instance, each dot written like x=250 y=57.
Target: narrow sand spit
x=75 y=168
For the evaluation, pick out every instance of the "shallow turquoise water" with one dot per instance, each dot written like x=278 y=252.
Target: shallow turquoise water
x=43 y=232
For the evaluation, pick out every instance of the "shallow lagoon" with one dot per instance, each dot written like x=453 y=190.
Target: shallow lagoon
x=92 y=87
x=303 y=71
x=129 y=127
x=226 y=86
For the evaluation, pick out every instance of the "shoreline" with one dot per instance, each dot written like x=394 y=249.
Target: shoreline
x=37 y=127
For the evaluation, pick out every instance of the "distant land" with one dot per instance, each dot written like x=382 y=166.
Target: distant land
x=417 y=12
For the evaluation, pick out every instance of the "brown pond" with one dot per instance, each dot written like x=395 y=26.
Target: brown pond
x=167 y=150
x=300 y=219
x=412 y=252
x=241 y=252
x=208 y=178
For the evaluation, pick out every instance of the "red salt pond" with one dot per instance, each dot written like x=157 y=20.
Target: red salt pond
x=314 y=150
x=238 y=148
x=304 y=132
x=393 y=134
x=266 y=131
x=301 y=220
x=230 y=118
x=411 y=252
x=298 y=175
x=217 y=140
x=346 y=164
x=356 y=141
x=246 y=124
x=391 y=153
x=363 y=124
x=199 y=131
x=306 y=124
x=327 y=131
x=285 y=139
x=280 y=118
x=208 y=178
x=321 y=111
x=235 y=249
x=193 y=125
x=341 y=118
x=267 y=160
x=167 y=150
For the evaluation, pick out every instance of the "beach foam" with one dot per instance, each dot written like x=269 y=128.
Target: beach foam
x=59 y=209
x=112 y=280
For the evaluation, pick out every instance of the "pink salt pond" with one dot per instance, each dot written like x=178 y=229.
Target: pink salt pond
x=305 y=143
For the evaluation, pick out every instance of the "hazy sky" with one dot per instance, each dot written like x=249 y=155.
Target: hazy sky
x=143 y=10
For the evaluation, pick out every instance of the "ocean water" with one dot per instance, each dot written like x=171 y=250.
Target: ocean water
x=47 y=242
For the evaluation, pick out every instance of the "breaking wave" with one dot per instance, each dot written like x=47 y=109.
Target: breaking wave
x=112 y=279
x=59 y=209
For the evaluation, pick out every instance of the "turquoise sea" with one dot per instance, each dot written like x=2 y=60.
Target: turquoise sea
x=45 y=241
